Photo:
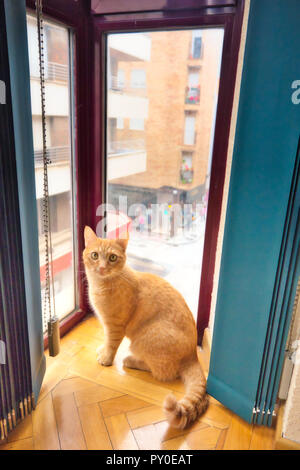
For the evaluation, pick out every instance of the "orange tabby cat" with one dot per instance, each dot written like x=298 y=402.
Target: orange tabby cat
x=153 y=315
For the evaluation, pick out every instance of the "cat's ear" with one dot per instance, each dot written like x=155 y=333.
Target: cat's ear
x=123 y=242
x=89 y=236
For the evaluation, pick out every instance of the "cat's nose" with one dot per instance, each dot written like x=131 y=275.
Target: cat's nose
x=101 y=270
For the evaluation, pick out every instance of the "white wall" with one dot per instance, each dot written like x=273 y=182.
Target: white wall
x=125 y=165
x=56 y=99
x=59 y=179
x=126 y=106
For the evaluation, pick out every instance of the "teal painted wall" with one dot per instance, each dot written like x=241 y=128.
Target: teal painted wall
x=267 y=134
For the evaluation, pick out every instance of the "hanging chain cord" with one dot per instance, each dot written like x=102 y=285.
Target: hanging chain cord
x=49 y=275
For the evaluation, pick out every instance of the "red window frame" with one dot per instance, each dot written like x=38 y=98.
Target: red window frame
x=91 y=21
x=76 y=15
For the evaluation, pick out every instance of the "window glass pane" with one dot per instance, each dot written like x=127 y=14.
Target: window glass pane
x=196 y=44
x=57 y=96
x=158 y=162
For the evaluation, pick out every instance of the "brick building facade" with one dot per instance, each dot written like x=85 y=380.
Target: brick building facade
x=180 y=82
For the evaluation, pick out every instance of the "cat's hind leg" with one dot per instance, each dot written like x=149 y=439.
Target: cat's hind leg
x=164 y=370
x=134 y=363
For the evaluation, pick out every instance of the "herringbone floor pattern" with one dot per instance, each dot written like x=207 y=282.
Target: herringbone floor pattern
x=83 y=405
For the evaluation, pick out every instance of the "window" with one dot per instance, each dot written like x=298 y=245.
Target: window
x=196 y=44
x=189 y=128
x=138 y=78
x=136 y=124
x=187 y=160
x=186 y=170
x=57 y=51
x=193 y=89
x=149 y=165
x=121 y=78
x=120 y=123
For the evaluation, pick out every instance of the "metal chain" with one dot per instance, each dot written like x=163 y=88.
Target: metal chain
x=49 y=275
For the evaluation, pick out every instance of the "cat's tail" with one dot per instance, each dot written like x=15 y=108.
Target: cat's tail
x=182 y=413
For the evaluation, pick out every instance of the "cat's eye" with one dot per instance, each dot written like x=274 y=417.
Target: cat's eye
x=113 y=258
x=94 y=255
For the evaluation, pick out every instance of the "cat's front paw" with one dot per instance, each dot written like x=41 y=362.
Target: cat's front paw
x=104 y=357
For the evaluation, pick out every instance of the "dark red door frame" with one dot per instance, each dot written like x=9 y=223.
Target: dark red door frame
x=231 y=19
x=90 y=29
x=105 y=7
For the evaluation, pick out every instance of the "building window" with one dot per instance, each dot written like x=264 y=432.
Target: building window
x=192 y=95
x=138 y=78
x=136 y=124
x=189 y=128
x=196 y=49
x=186 y=170
x=120 y=123
x=57 y=52
x=121 y=78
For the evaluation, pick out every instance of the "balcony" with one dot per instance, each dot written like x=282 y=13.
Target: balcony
x=126 y=103
x=54 y=155
x=56 y=72
x=186 y=176
x=126 y=157
x=192 y=95
x=116 y=84
x=122 y=147
x=56 y=98
x=122 y=86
